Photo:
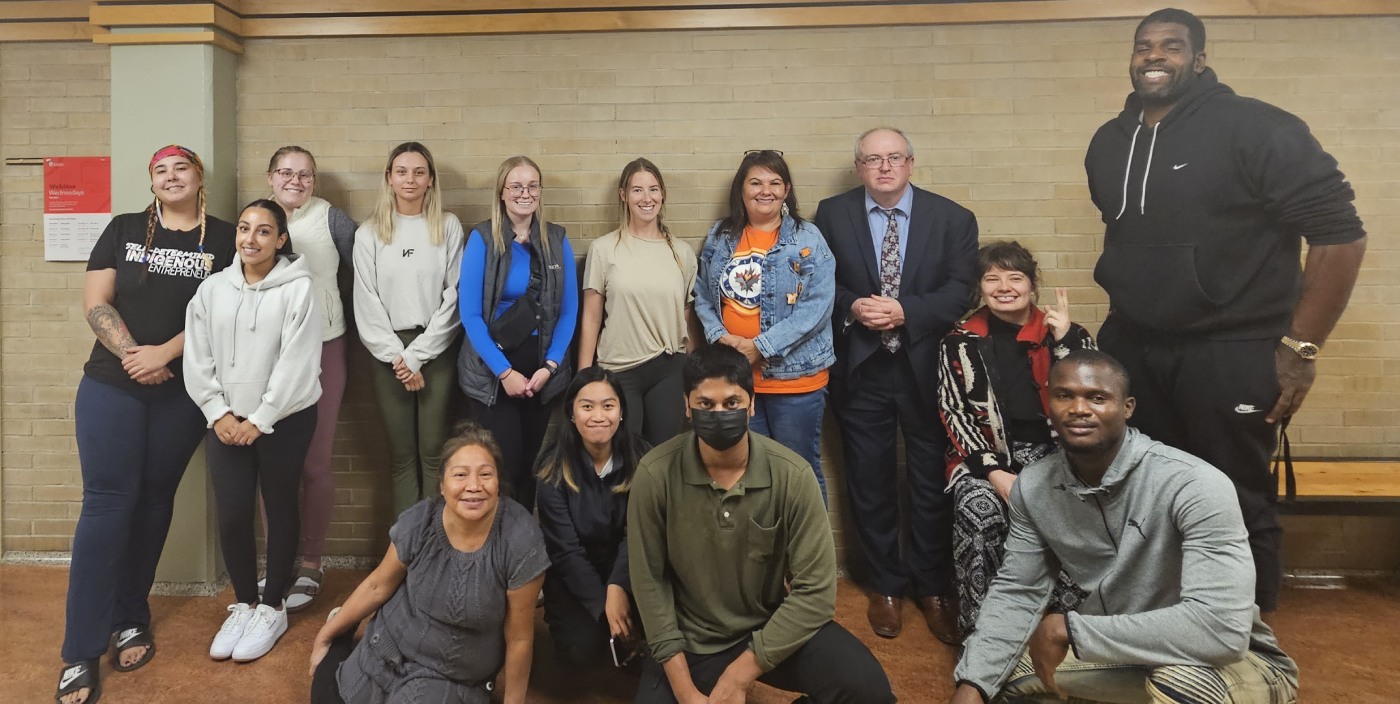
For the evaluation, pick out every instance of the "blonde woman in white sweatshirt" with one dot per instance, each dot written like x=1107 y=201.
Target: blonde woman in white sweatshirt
x=407 y=261
x=252 y=362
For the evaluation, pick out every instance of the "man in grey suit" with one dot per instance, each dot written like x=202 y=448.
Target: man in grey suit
x=905 y=263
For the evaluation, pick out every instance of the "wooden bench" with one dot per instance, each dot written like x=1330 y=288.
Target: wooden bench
x=1344 y=487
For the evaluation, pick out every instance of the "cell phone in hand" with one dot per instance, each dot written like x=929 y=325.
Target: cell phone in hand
x=623 y=651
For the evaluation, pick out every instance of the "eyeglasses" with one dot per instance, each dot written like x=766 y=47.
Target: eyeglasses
x=519 y=189
x=751 y=152
x=288 y=174
x=875 y=160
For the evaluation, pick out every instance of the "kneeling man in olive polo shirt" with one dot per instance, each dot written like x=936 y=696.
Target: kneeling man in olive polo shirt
x=732 y=561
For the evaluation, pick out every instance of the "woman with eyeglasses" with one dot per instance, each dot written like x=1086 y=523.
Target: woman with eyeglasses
x=766 y=287
x=407 y=257
x=639 y=279
x=519 y=307
x=325 y=237
x=136 y=426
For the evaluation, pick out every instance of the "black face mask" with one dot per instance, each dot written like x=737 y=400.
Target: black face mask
x=720 y=429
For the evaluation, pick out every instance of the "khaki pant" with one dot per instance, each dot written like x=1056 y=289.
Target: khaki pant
x=1252 y=680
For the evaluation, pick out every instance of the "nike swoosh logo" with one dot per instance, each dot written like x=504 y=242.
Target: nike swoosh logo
x=125 y=636
x=1179 y=166
x=71 y=674
x=1246 y=408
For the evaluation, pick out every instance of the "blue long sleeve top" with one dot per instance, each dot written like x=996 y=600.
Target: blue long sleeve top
x=470 y=286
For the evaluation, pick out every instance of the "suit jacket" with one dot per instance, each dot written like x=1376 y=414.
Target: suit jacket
x=935 y=285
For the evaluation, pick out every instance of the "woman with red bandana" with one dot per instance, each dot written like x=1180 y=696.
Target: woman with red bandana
x=136 y=426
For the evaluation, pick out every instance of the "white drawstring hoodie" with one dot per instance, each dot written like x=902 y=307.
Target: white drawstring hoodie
x=254 y=350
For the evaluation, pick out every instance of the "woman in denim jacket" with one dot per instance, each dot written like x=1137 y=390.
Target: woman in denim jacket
x=766 y=286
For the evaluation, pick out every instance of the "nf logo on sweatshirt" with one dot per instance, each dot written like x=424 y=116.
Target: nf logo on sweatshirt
x=407 y=253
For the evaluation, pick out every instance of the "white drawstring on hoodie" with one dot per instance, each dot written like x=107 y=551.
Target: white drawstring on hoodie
x=1128 y=170
x=253 y=324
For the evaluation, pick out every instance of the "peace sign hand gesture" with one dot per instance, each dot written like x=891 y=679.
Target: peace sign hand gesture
x=1057 y=316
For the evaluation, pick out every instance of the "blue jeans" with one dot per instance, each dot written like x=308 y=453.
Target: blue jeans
x=133 y=451
x=795 y=421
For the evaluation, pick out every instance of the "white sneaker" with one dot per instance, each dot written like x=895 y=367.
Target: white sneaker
x=231 y=632
x=266 y=626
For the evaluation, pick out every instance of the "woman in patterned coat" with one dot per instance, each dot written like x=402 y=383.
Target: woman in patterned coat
x=993 y=369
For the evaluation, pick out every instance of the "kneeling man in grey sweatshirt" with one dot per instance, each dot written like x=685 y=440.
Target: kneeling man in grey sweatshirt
x=1155 y=535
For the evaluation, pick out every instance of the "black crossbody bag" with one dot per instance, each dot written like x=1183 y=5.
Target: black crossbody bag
x=512 y=328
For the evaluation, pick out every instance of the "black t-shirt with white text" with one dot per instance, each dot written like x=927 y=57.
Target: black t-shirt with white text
x=152 y=299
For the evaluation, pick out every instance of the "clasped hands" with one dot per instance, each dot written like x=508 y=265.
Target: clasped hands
x=411 y=380
x=879 y=313
x=232 y=431
x=148 y=364
x=517 y=385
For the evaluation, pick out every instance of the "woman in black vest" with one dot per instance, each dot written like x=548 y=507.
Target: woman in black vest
x=518 y=298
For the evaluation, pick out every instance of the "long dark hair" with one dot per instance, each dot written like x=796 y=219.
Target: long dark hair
x=559 y=458
x=278 y=214
x=738 y=217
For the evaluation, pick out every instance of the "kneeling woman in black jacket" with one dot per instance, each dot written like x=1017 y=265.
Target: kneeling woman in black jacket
x=584 y=474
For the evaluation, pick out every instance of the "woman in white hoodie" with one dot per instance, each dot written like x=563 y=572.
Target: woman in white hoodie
x=325 y=236
x=252 y=362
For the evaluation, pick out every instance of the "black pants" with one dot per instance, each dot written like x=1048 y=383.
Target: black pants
x=579 y=638
x=655 y=398
x=1209 y=398
x=324 y=688
x=519 y=426
x=831 y=668
x=879 y=401
x=274 y=463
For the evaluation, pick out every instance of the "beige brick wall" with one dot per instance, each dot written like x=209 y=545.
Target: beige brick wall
x=53 y=102
x=1000 y=116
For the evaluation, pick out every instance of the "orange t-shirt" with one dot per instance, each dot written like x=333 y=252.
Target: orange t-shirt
x=741 y=288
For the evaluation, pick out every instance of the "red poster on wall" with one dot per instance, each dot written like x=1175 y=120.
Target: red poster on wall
x=77 y=205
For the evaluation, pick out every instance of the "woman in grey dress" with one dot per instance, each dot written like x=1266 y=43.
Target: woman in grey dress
x=453 y=601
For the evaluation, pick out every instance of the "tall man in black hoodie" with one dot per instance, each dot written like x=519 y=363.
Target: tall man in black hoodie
x=1207 y=197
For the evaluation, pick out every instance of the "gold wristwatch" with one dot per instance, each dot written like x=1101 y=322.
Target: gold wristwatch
x=1306 y=350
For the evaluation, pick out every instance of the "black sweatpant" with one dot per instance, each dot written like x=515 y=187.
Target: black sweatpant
x=274 y=463
x=324 y=687
x=1209 y=398
x=831 y=668
x=519 y=426
x=655 y=397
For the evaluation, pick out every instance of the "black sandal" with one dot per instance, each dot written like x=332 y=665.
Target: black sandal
x=128 y=638
x=78 y=676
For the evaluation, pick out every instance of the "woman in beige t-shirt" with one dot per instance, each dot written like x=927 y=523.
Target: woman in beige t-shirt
x=636 y=306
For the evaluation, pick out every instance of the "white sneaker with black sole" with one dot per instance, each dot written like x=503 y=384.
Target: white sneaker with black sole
x=266 y=626
x=231 y=632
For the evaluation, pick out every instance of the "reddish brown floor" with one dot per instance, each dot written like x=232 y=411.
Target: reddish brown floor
x=1347 y=643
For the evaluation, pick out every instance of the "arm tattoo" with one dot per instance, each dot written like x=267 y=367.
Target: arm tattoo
x=110 y=329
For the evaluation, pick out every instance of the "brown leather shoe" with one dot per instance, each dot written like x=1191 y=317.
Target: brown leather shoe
x=942 y=616
x=886 y=615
